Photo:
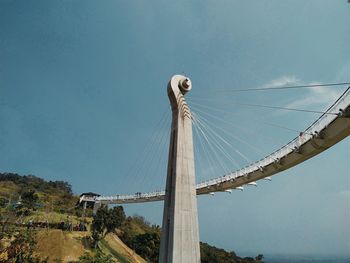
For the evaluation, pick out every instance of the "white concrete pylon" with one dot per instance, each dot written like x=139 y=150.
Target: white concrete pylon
x=180 y=234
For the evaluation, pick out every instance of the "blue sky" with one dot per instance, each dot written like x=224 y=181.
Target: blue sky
x=83 y=94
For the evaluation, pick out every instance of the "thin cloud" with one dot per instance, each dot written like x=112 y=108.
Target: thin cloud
x=345 y=194
x=281 y=81
x=315 y=97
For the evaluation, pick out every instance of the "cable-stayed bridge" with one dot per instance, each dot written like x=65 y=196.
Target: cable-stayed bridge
x=330 y=128
x=180 y=230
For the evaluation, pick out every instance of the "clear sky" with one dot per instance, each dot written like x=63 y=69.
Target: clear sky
x=83 y=99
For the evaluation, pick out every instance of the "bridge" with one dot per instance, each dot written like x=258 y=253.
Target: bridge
x=330 y=128
x=180 y=231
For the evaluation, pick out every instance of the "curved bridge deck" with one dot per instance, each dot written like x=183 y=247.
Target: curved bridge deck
x=325 y=132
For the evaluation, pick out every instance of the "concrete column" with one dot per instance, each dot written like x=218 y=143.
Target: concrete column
x=180 y=234
x=97 y=205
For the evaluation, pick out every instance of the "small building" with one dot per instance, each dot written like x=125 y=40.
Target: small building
x=87 y=200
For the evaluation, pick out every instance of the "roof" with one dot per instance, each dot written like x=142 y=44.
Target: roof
x=90 y=194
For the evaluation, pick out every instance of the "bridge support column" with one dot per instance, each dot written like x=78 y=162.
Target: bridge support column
x=97 y=205
x=180 y=234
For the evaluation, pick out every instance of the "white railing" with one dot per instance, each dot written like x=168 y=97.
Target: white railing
x=304 y=137
x=313 y=130
x=151 y=195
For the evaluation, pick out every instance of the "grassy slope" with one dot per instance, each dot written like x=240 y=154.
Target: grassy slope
x=56 y=244
x=9 y=190
x=114 y=244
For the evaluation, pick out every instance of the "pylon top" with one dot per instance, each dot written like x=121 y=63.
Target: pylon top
x=185 y=85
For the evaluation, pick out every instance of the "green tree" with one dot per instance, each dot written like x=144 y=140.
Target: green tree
x=98 y=223
x=106 y=221
x=115 y=218
x=96 y=237
x=147 y=245
x=29 y=199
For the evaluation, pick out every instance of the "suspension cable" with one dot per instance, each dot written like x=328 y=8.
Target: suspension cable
x=288 y=87
x=284 y=108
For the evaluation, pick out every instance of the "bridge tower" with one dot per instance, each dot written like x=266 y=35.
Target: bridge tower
x=180 y=235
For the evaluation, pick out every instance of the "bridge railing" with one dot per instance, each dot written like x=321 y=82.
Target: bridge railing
x=314 y=129
x=151 y=195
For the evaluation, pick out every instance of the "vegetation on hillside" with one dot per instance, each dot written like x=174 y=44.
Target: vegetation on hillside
x=106 y=221
x=17 y=245
x=31 y=192
x=28 y=201
x=211 y=254
x=144 y=238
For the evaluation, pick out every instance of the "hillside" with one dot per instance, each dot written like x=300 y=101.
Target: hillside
x=50 y=203
x=49 y=196
x=70 y=246
x=119 y=250
x=57 y=244
x=41 y=223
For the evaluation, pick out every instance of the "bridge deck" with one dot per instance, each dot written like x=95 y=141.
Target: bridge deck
x=322 y=134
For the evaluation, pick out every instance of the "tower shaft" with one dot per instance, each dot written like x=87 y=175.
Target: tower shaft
x=180 y=234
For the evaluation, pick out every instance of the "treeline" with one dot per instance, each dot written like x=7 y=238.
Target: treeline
x=36 y=183
x=30 y=192
x=211 y=254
